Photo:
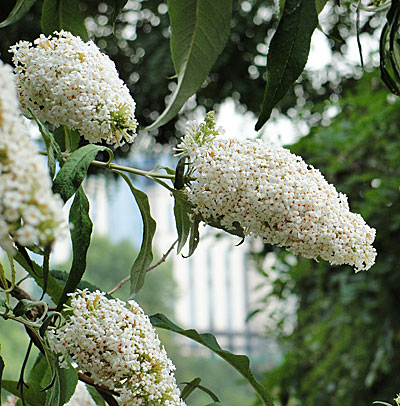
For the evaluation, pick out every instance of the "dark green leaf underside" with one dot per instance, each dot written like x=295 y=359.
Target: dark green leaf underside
x=288 y=52
x=63 y=15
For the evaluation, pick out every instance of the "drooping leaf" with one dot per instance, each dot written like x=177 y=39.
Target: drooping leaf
x=53 y=149
x=183 y=224
x=288 y=52
x=195 y=384
x=190 y=387
x=32 y=394
x=240 y=362
x=40 y=374
x=80 y=237
x=54 y=289
x=19 y=10
x=95 y=395
x=179 y=181
x=194 y=235
x=199 y=31
x=145 y=256
x=118 y=6
x=1 y=373
x=64 y=386
x=63 y=15
x=388 y=49
x=72 y=174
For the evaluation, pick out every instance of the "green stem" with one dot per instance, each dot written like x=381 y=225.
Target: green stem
x=147 y=174
x=67 y=140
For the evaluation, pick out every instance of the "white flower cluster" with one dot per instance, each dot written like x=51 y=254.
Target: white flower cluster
x=29 y=211
x=274 y=194
x=66 y=81
x=118 y=348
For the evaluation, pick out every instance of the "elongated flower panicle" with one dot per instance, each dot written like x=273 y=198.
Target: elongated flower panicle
x=29 y=211
x=66 y=81
x=119 y=348
x=273 y=193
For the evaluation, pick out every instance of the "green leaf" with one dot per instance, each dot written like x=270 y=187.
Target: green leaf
x=118 y=6
x=23 y=306
x=199 y=31
x=64 y=386
x=319 y=5
x=54 y=289
x=95 y=395
x=145 y=256
x=19 y=10
x=72 y=174
x=62 y=277
x=194 y=235
x=240 y=362
x=190 y=387
x=80 y=237
x=40 y=374
x=288 y=52
x=52 y=147
x=195 y=384
x=179 y=181
x=1 y=373
x=183 y=224
x=33 y=395
x=63 y=15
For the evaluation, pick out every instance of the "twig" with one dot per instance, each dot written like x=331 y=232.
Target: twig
x=162 y=259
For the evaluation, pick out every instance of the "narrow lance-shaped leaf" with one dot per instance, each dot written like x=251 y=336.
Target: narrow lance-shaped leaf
x=80 y=237
x=1 y=372
x=118 y=6
x=73 y=172
x=194 y=235
x=54 y=289
x=183 y=224
x=19 y=10
x=53 y=149
x=240 y=362
x=95 y=395
x=195 y=384
x=64 y=386
x=199 y=31
x=145 y=256
x=63 y=15
x=190 y=387
x=288 y=52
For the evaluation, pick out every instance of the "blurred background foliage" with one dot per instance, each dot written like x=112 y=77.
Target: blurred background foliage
x=344 y=347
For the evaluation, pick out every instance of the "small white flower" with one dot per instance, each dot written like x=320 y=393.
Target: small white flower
x=66 y=81
x=119 y=348
x=273 y=193
x=29 y=212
